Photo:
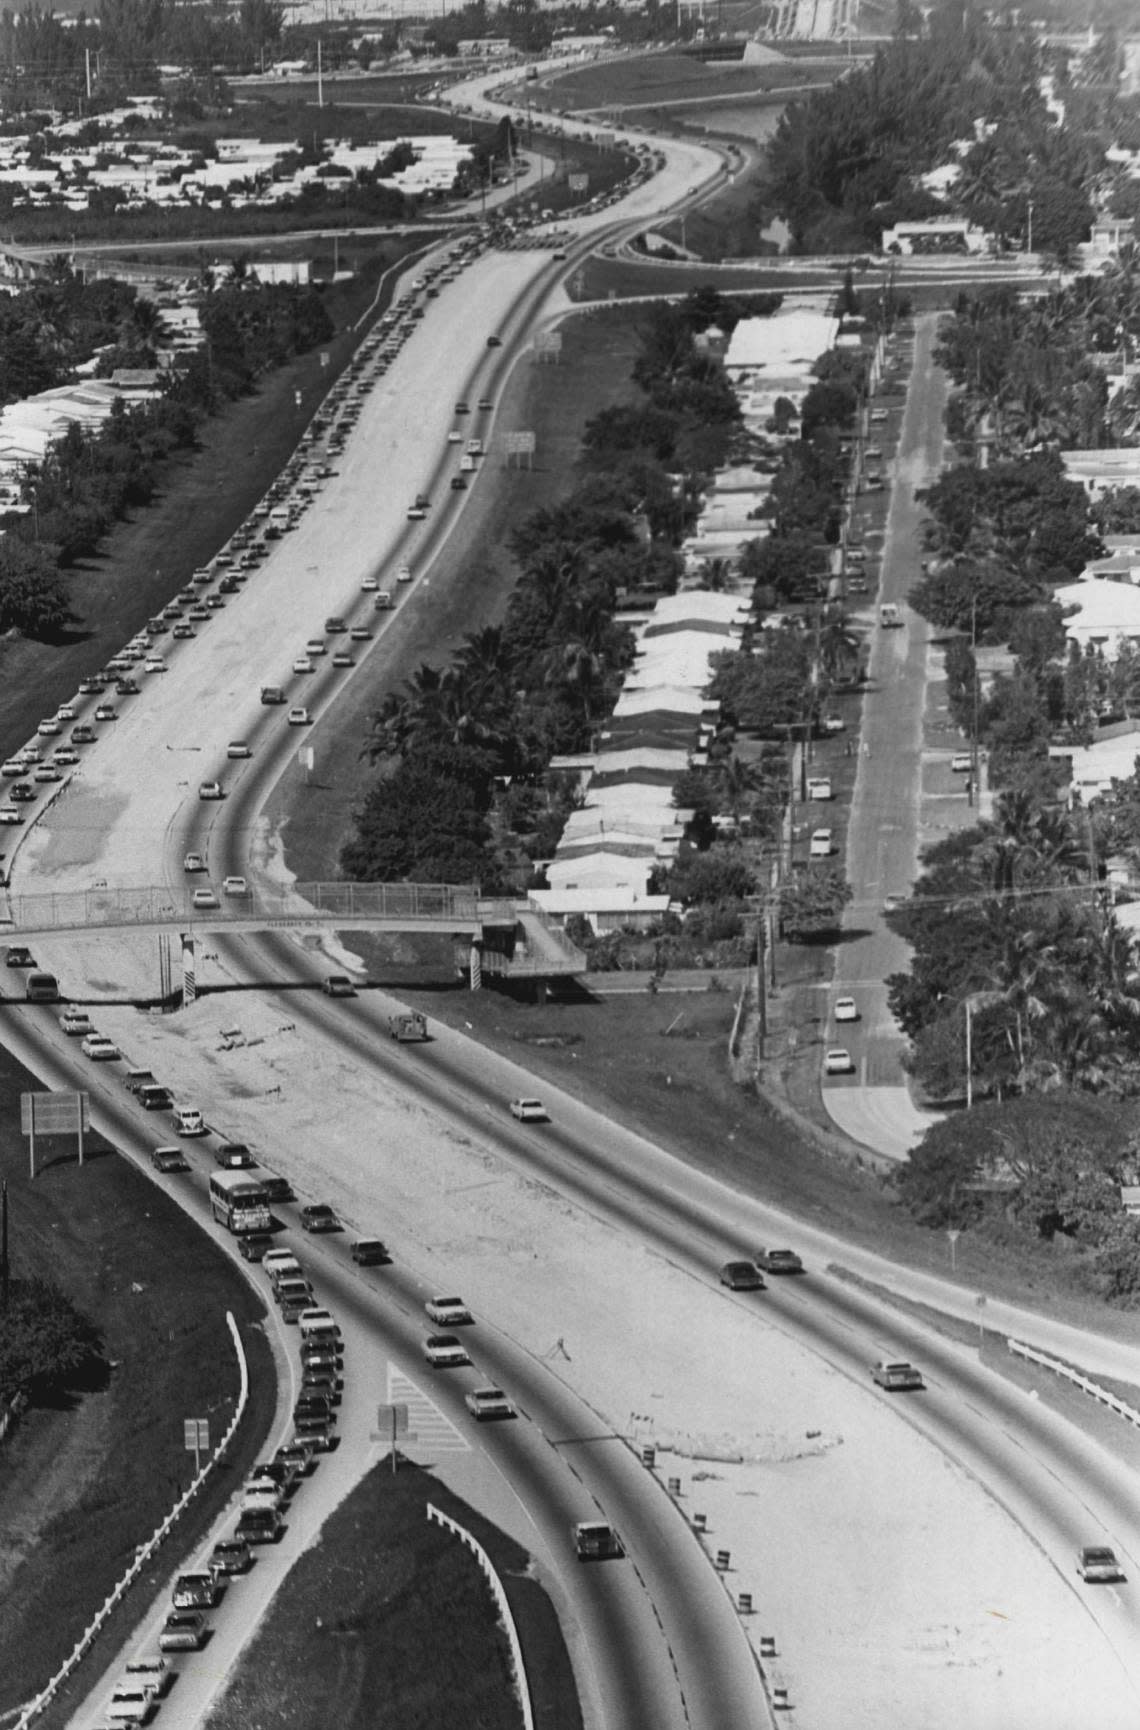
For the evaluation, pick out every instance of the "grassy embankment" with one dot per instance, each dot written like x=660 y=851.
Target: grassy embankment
x=388 y=1619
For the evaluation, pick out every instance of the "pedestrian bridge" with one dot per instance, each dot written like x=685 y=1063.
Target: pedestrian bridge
x=512 y=936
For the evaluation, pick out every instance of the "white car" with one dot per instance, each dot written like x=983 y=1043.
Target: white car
x=49 y=728
x=846 y=1009
x=100 y=1049
x=154 y=664
x=64 y=755
x=238 y=748
x=316 y=646
x=193 y=862
x=484 y=1403
x=211 y=790
x=75 y=1021
x=303 y=664
x=961 y=763
x=448 y=1312
x=838 y=1061
x=370 y=584
x=205 y=899
x=188 y=1120
x=404 y=574
x=444 y=1352
x=529 y=1111
x=299 y=716
x=235 y=886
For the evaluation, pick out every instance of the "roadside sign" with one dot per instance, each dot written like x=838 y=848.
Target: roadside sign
x=196 y=1439
x=53 y=1114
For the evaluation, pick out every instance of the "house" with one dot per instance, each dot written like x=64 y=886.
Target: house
x=1100 y=614
x=935 y=236
x=1101 y=471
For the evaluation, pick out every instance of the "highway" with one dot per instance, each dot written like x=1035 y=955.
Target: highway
x=657 y=1639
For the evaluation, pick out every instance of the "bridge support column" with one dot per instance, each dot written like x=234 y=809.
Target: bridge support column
x=475 y=968
x=189 y=972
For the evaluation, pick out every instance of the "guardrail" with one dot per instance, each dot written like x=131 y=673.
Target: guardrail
x=500 y=1597
x=147 y=1551
x=1093 y=1389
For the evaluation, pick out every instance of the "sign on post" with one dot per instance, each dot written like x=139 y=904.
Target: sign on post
x=578 y=183
x=53 y=1114
x=392 y=1421
x=521 y=444
x=196 y=1439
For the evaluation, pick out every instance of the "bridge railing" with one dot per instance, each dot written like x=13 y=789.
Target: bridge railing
x=159 y=904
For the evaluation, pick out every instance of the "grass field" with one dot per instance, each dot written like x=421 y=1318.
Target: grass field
x=388 y=1620
x=669 y=77
x=83 y=1484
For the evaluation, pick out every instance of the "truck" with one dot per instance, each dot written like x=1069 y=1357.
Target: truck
x=408 y=1026
x=890 y=616
x=595 y=1541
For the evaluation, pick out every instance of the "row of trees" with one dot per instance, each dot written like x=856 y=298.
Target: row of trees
x=847 y=163
x=89 y=479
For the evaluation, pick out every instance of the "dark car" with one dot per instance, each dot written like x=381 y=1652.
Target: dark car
x=169 y=1159
x=494 y=342
x=741 y=1276
x=18 y=956
x=21 y=792
x=230 y=1556
x=319 y=1217
x=369 y=1252
x=253 y=1245
x=234 y=1155
x=154 y=1097
x=278 y=1189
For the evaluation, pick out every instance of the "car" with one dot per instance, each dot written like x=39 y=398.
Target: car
x=193 y=862
x=404 y=574
x=259 y=1526
x=155 y=1097
x=238 y=748
x=360 y=634
x=50 y=728
x=319 y=1217
x=169 y=1159
x=48 y=772
x=529 y=1111
x=283 y=1473
x=458 y=483
x=252 y=1245
x=230 y=1556
x=17 y=956
x=236 y=886
x=100 y=1049
x=321 y=1380
x=494 y=342
x=299 y=716
x=183 y=1631
x=897 y=1376
x=12 y=767
x=65 y=712
x=91 y=687
x=11 y=814
x=211 y=790
x=444 y=1352
x=416 y=513
x=277 y=1188
x=65 y=756
x=335 y=625
x=74 y=1021
x=778 y=1261
x=487 y=1403
x=369 y=584
x=484 y=405
x=369 y=1252
x=316 y=1431
x=838 y=1060
x=234 y=1156
x=195 y=1592
x=342 y=658
x=153 y=1674
x=303 y=664
x=460 y=408
x=454 y=437
x=204 y=899
x=323 y=1353
x=21 y=792
x=188 y=1120
x=961 y=763
x=106 y=712
x=833 y=724
x=892 y=903
x=741 y=1276
x=83 y=735
x=1097 y=1565
x=154 y=663
x=302 y=1454
x=273 y=694
x=338 y=985
x=448 y=1312
x=846 y=1009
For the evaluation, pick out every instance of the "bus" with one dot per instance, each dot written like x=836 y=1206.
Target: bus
x=239 y=1201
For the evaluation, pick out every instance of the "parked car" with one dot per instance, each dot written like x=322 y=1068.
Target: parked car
x=196 y=1592
x=230 y=1556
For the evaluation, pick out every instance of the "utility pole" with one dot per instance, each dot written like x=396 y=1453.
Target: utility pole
x=320 y=83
